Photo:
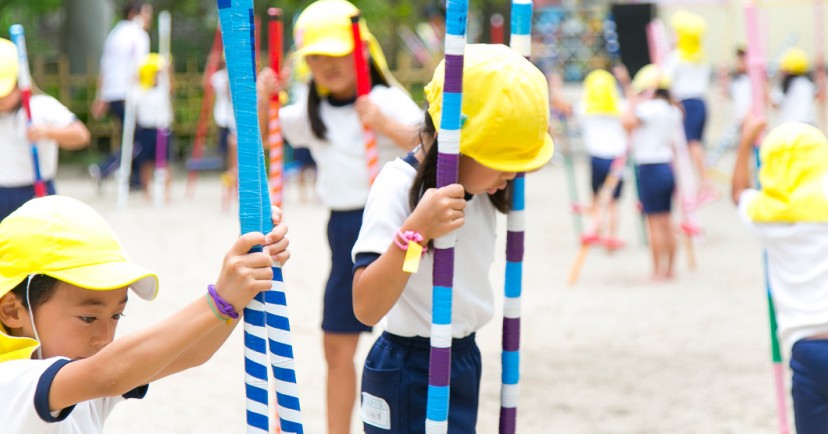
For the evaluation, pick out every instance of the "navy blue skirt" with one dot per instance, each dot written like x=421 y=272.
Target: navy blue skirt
x=338 y=310
x=656 y=185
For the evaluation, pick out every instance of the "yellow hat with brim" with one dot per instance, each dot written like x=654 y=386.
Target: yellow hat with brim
x=8 y=66
x=650 y=78
x=148 y=69
x=690 y=29
x=506 y=109
x=794 y=61
x=601 y=94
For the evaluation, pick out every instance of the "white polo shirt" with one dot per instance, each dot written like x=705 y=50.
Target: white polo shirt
x=342 y=169
x=223 y=106
x=603 y=135
x=688 y=80
x=473 y=300
x=742 y=95
x=653 y=140
x=125 y=46
x=16 y=165
x=25 y=386
x=797 y=104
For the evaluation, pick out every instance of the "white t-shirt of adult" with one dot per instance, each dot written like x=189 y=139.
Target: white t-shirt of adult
x=223 y=107
x=603 y=135
x=689 y=80
x=342 y=169
x=25 y=386
x=796 y=105
x=797 y=272
x=16 y=165
x=741 y=94
x=472 y=298
x=660 y=124
x=127 y=44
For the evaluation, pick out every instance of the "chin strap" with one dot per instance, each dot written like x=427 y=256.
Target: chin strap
x=31 y=315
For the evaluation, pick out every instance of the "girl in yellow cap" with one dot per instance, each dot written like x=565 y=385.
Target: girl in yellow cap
x=795 y=96
x=329 y=121
x=53 y=127
x=153 y=115
x=506 y=111
x=789 y=215
x=64 y=281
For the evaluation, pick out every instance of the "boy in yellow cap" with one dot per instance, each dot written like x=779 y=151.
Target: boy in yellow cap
x=795 y=96
x=505 y=131
x=64 y=280
x=53 y=127
x=153 y=115
x=329 y=121
x=789 y=215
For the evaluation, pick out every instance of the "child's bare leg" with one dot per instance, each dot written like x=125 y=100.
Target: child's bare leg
x=340 y=349
x=655 y=243
x=145 y=175
x=664 y=245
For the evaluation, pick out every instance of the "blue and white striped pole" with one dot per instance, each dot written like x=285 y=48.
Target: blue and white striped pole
x=266 y=323
x=439 y=367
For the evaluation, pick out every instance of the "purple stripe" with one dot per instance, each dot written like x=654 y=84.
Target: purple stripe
x=447 y=169
x=514 y=246
x=511 y=334
x=454 y=74
x=443 y=267
x=439 y=367
x=508 y=419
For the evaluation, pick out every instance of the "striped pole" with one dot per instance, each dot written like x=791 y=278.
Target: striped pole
x=521 y=41
x=161 y=173
x=274 y=130
x=364 y=88
x=24 y=83
x=756 y=72
x=266 y=317
x=496 y=29
x=439 y=366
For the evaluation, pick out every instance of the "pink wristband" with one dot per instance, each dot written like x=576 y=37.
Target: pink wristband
x=401 y=239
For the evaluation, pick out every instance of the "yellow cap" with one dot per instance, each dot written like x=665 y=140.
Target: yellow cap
x=506 y=104
x=601 y=93
x=650 y=78
x=689 y=30
x=8 y=66
x=793 y=176
x=794 y=61
x=148 y=69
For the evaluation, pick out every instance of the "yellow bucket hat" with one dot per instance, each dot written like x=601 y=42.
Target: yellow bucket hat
x=794 y=61
x=650 y=78
x=8 y=66
x=324 y=28
x=601 y=94
x=689 y=30
x=793 y=176
x=148 y=69
x=506 y=104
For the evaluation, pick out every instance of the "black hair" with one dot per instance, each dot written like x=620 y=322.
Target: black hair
x=131 y=9
x=788 y=78
x=663 y=93
x=41 y=289
x=426 y=176
x=318 y=127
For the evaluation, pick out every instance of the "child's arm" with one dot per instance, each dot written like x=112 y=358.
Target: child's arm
x=165 y=348
x=740 y=181
x=72 y=137
x=403 y=135
x=378 y=286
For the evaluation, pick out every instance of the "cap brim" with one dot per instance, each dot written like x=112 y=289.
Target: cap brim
x=111 y=275
x=543 y=156
x=328 y=47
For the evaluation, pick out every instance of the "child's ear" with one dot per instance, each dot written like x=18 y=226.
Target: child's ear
x=11 y=311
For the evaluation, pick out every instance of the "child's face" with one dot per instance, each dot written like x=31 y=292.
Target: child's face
x=76 y=322
x=10 y=101
x=336 y=74
x=478 y=179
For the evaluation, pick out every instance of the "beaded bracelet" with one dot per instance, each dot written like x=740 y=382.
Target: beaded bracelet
x=215 y=312
x=223 y=306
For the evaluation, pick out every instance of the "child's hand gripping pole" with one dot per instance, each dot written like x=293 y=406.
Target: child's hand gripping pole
x=363 y=79
x=24 y=83
x=274 y=136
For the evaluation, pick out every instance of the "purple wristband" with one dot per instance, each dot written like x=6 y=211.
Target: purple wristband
x=223 y=306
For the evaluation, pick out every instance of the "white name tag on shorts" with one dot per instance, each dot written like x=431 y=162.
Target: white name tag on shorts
x=375 y=411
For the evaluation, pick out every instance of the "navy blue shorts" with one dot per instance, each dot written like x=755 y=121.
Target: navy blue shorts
x=809 y=388
x=695 y=117
x=147 y=139
x=303 y=157
x=338 y=310
x=223 y=138
x=656 y=185
x=395 y=385
x=12 y=198
x=117 y=109
x=600 y=170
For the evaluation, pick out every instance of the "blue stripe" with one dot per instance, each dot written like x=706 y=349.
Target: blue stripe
x=256 y=394
x=224 y=4
x=278 y=322
x=257 y=420
x=519 y=195
x=277 y=277
x=514 y=278
x=292 y=427
x=521 y=22
x=255 y=343
x=437 y=405
x=254 y=317
x=255 y=370
x=441 y=308
x=451 y=107
x=275 y=297
x=511 y=367
x=287 y=401
x=286 y=375
x=280 y=349
x=456 y=14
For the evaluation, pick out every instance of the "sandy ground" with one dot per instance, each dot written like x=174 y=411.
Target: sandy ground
x=613 y=354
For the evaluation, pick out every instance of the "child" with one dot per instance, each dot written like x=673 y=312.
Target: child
x=329 y=121
x=605 y=140
x=795 y=99
x=654 y=123
x=53 y=126
x=223 y=116
x=153 y=115
x=789 y=215
x=62 y=292
x=507 y=117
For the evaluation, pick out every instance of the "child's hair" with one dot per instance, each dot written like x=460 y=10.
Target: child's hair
x=320 y=130
x=663 y=94
x=427 y=174
x=787 y=80
x=41 y=288
x=131 y=9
